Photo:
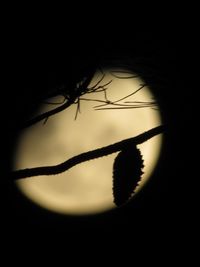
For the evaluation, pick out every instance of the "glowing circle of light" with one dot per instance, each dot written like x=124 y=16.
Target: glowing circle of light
x=87 y=187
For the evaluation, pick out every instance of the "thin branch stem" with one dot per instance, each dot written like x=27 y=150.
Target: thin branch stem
x=142 y=86
x=70 y=100
x=95 y=86
x=46 y=115
x=100 y=152
x=124 y=72
x=124 y=106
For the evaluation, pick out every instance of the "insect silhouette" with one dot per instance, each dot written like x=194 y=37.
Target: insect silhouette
x=127 y=172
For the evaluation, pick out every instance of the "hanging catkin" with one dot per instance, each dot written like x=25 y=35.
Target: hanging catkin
x=127 y=172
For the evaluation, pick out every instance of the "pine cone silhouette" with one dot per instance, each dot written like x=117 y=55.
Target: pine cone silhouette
x=127 y=172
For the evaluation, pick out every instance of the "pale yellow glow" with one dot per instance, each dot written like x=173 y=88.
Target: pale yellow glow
x=87 y=187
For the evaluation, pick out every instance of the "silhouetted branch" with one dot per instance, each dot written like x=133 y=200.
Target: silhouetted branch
x=75 y=97
x=136 y=105
x=117 y=72
x=70 y=97
x=99 y=107
x=46 y=115
x=100 y=152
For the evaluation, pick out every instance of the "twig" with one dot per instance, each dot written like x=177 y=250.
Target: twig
x=70 y=99
x=100 y=152
x=107 y=103
x=46 y=115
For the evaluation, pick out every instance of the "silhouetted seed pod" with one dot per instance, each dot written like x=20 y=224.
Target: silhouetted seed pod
x=127 y=172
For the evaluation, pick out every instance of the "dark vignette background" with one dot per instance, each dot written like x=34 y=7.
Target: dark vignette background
x=162 y=213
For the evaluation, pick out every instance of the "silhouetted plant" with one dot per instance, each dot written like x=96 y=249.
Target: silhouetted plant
x=82 y=87
x=127 y=172
x=128 y=164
